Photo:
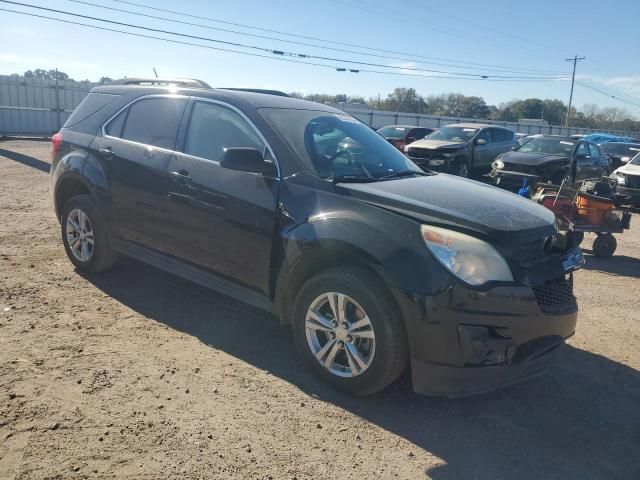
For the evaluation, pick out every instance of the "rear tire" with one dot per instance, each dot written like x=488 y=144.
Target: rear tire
x=379 y=343
x=85 y=237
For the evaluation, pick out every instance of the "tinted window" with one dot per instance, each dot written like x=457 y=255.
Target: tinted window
x=547 y=146
x=90 y=105
x=454 y=134
x=582 y=150
x=485 y=135
x=417 y=133
x=502 y=135
x=114 y=127
x=212 y=128
x=395 y=133
x=154 y=121
x=595 y=153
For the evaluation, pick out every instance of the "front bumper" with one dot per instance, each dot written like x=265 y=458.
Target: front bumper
x=466 y=342
x=443 y=164
x=506 y=178
x=628 y=196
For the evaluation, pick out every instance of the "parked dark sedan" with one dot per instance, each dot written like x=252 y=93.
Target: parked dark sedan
x=402 y=135
x=620 y=153
x=550 y=158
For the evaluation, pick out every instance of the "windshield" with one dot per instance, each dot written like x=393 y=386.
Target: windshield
x=621 y=149
x=337 y=146
x=635 y=160
x=548 y=146
x=453 y=134
x=396 y=133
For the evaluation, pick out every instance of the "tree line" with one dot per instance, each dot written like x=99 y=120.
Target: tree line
x=408 y=100
x=552 y=111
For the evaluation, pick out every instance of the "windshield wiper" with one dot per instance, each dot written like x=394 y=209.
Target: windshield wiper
x=405 y=173
x=352 y=179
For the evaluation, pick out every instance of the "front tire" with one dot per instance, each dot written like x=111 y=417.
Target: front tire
x=349 y=332
x=84 y=235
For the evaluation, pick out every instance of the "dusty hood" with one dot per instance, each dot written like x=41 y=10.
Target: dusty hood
x=532 y=159
x=629 y=169
x=453 y=200
x=435 y=144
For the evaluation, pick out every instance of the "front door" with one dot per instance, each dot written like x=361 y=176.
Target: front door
x=135 y=151
x=220 y=219
x=482 y=154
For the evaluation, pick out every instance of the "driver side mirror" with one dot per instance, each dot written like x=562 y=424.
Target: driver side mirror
x=246 y=159
x=481 y=141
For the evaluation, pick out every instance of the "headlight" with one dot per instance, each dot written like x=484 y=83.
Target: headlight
x=498 y=164
x=625 y=159
x=620 y=180
x=468 y=258
x=406 y=149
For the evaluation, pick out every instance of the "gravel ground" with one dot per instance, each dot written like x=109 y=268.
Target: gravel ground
x=137 y=374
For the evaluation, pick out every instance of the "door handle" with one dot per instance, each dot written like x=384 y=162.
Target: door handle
x=106 y=152
x=181 y=176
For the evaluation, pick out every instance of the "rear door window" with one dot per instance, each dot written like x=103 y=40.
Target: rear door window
x=486 y=135
x=154 y=121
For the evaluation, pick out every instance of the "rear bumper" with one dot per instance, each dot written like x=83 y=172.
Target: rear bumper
x=465 y=342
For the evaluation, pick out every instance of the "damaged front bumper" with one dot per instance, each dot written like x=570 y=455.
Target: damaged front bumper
x=464 y=341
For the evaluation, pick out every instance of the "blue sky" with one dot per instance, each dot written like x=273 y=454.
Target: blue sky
x=536 y=36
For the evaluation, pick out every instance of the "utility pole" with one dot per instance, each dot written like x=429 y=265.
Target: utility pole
x=575 y=60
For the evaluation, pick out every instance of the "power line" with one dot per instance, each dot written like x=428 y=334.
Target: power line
x=611 y=91
x=210 y=19
x=180 y=42
x=277 y=52
x=315 y=45
x=608 y=94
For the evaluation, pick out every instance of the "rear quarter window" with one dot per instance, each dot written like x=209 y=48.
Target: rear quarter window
x=91 y=104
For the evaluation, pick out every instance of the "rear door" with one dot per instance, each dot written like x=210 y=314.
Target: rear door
x=136 y=146
x=220 y=219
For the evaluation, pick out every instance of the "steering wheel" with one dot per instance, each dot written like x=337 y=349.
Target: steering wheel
x=340 y=153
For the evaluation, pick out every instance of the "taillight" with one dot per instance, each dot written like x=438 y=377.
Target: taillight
x=56 y=141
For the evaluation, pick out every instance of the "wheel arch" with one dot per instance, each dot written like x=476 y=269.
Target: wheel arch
x=320 y=256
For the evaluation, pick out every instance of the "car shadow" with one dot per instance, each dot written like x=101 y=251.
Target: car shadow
x=25 y=160
x=579 y=420
x=616 y=265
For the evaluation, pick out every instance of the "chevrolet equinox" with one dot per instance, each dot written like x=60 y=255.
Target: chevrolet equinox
x=303 y=211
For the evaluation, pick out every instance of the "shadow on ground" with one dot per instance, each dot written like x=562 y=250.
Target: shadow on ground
x=581 y=420
x=616 y=265
x=25 y=160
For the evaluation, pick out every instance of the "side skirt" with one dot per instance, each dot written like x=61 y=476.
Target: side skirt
x=196 y=275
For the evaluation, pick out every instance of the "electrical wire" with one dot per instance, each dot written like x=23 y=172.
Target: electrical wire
x=278 y=52
x=334 y=42
x=315 y=45
x=608 y=94
x=180 y=42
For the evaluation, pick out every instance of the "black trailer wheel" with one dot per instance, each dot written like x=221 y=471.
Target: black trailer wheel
x=604 y=246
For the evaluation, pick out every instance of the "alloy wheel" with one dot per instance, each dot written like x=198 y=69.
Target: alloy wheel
x=80 y=235
x=340 y=334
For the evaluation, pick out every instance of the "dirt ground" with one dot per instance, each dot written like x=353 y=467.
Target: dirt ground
x=137 y=374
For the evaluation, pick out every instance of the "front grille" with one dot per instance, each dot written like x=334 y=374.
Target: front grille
x=632 y=181
x=423 y=153
x=556 y=296
x=528 y=169
x=530 y=252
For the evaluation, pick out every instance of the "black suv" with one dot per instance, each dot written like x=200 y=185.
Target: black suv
x=374 y=262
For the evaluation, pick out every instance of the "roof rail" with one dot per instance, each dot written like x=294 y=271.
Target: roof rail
x=258 y=90
x=181 y=82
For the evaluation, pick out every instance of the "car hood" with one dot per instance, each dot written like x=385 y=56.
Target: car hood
x=532 y=159
x=435 y=144
x=629 y=169
x=446 y=199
